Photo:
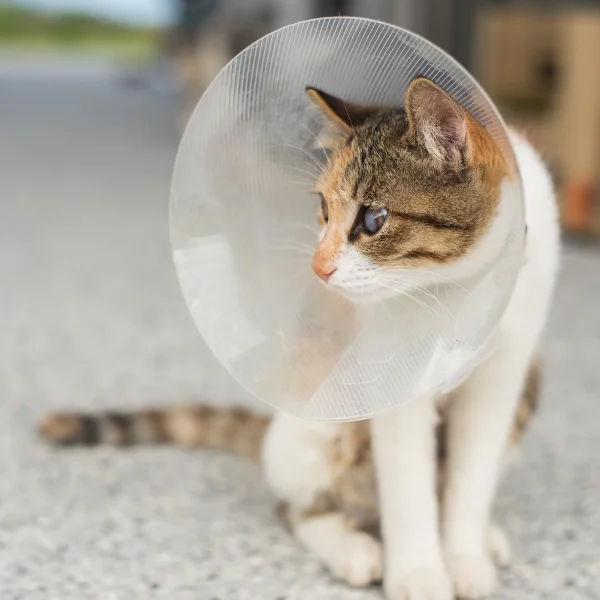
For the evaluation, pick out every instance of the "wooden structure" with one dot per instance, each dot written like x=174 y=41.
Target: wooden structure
x=536 y=58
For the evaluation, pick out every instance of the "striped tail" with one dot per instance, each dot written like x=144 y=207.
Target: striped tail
x=234 y=430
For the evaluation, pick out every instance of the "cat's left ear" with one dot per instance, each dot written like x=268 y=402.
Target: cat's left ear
x=438 y=123
x=340 y=117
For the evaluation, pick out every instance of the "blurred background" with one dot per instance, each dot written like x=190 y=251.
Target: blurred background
x=94 y=95
x=535 y=58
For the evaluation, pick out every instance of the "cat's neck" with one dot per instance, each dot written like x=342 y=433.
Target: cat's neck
x=493 y=242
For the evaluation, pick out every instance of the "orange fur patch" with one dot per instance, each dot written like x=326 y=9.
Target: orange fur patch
x=329 y=250
x=483 y=152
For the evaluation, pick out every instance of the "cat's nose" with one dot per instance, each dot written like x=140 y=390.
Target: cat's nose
x=323 y=270
x=328 y=252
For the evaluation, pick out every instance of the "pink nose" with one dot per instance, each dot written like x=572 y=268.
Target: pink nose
x=323 y=270
x=324 y=262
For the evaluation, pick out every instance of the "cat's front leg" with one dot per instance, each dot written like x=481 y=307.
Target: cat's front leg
x=405 y=460
x=480 y=418
x=299 y=464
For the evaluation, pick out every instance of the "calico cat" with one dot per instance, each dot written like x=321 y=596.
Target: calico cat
x=406 y=496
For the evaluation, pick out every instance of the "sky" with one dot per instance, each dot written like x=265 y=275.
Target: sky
x=146 y=12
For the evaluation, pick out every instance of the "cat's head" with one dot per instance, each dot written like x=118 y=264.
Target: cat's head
x=407 y=194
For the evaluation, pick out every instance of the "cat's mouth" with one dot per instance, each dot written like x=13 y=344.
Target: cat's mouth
x=371 y=284
x=357 y=279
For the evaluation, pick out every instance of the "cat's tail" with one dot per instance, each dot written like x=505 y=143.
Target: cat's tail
x=234 y=430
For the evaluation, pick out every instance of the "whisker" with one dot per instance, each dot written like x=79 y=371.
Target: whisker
x=422 y=290
x=303 y=225
x=290 y=240
x=313 y=176
x=291 y=249
x=309 y=131
x=446 y=312
x=314 y=161
x=305 y=152
x=308 y=185
x=382 y=304
x=418 y=270
x=406 y=294
x=444 y=308
x=423 y=304
x=292 y=260
x=293 y=242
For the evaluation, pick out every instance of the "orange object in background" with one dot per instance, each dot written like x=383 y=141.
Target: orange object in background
x=578 y=201
x=535 y=57
x=578 y=126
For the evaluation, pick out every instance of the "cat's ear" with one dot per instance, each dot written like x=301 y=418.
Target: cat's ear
x=340 y=117
x=437 y=122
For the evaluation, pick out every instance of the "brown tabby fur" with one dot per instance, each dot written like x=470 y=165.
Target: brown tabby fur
x=235 y=430
x=354 y=492
x=441 y=184
x=439 y=204
x=241 y=432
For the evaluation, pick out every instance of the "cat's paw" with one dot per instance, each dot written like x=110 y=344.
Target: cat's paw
x=422 y=583
x=359 y=561
x=474 y=576
x=498 y=545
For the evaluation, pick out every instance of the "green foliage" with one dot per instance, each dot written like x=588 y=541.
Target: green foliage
x=19 y=26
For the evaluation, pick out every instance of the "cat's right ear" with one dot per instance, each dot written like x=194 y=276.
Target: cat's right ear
x=339 y=117
x=437 y=122
x=451 y=136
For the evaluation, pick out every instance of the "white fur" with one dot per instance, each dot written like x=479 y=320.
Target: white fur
x=355 y=277
x=354 y=556
x=482 y=410
x=424 y=561
x=404 y=451
x=295 y=458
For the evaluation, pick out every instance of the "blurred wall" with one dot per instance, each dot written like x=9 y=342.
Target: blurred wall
x=537 y=59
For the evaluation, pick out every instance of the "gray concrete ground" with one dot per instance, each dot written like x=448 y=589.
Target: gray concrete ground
x=90 y=315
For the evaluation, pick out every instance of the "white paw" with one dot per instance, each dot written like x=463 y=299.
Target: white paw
x=498 y=545
x=474 y=576
x=423 y=583
x=359 y=561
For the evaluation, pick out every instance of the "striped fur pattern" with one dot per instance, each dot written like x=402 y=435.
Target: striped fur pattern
x=404 y=189
x=354 y=490
x=430 y=165
x=241 y=432
x=234 y=430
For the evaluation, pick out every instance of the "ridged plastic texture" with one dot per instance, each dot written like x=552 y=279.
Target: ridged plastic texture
x=243 y=229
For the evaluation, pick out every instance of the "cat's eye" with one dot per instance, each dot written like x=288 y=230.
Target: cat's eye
x=324 y=210
x=373 y=219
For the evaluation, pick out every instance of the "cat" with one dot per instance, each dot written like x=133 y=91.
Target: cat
x=405 y=497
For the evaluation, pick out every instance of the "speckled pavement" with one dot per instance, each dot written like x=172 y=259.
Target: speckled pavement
x=90 y=315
